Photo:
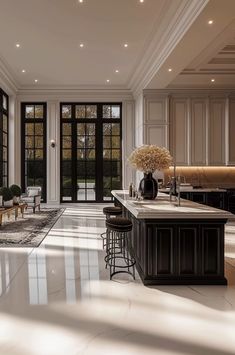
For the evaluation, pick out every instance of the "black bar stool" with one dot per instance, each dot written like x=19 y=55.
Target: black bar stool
x=110 y=211
x=118 y=244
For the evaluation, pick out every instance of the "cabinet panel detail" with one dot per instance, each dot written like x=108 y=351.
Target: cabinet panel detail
x=198 y=132
x=199 y=197
x=156 y=134
x=163 y=251
x=187 y=250
x=217 y=132
x=155 y=110
x=179 y=130
x=211 y=250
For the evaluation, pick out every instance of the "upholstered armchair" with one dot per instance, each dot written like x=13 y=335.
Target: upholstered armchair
x=32 y=197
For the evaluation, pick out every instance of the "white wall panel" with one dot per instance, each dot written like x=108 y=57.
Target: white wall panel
x=198 y=132
x=53 y=154
x=128 y=141
x=179 y=140
x=217 y=132
x=156 y=134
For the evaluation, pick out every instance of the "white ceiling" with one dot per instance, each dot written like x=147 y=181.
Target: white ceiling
x=161 y=34
x=50 y=32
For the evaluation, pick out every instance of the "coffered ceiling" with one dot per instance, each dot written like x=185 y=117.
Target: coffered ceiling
x=215 y=66
x=197 y=57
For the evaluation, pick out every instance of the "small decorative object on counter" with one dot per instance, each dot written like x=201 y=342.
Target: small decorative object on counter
x=148 y=187
x=130 y=189
x=149 y=158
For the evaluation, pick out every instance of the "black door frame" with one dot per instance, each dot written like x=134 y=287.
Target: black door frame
x=99 y=121
x=31 y=120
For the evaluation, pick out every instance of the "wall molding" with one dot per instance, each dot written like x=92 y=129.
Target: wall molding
x=74 y=95
x=7 y=81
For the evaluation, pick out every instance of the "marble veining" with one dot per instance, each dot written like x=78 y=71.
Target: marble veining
x=163 y=208
x=205 y=176
x=57 y=299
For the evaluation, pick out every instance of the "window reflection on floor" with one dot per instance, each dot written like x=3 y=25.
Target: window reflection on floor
x=37 y=278
x=4 y=273
x=70 y=275
x=89 y=269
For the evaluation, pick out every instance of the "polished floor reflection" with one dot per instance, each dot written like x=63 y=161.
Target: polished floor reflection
x=57 y=299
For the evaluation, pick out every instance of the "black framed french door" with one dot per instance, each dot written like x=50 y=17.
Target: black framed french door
x=33 y=145
x=90 y=151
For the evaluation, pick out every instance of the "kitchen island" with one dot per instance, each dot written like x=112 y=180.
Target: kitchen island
x=176 y=244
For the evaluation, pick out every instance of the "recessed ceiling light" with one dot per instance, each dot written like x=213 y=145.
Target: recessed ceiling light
x=107 y=80
x=169 y=69
x=36 y=80
x=17 y=45
x=81 y=45
x=116 y=71
x=23 y=70
x=80 y=1
x=141 y=1
x=212 y=80
x=210 y=22
x=125 y=45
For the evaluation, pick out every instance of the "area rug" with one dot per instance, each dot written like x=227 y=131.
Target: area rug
x=30 y=230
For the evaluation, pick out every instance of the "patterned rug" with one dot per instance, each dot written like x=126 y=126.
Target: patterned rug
x=30 y=230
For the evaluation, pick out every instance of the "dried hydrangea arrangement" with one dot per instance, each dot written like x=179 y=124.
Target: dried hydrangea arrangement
x=149 y=158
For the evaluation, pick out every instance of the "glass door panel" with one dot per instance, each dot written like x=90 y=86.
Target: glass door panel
x=86 y=162
x=90 y=151
x=34 y=146
x=111 y=156
x=66 y=164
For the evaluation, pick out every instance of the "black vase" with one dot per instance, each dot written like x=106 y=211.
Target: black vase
x=148 y=187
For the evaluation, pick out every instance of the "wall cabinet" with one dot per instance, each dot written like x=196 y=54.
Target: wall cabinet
x=179 y=125
x=217 y=132
x=188 y=130
x=156 y=120
x=198 y=131
x=197 y=126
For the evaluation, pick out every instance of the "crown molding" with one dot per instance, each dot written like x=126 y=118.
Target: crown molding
x=73 y=93
x=165 y=40
x=7 y=80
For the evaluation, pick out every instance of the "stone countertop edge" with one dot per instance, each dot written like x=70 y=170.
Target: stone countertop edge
x=146 y=209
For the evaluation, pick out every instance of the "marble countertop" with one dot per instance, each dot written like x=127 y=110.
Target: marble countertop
x=185 y=189
x=162 y=207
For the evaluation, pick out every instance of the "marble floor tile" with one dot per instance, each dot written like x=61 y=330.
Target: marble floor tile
x=57 y=299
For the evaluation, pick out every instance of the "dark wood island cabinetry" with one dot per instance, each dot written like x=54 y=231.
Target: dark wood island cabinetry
x=176 y=244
